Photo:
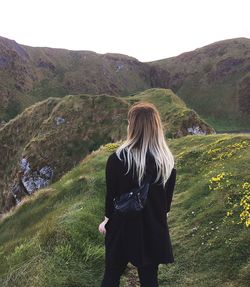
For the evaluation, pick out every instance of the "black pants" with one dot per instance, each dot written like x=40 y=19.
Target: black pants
x=147 y=275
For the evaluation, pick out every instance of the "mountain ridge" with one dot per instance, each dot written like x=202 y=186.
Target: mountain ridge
x=212 y=77
x=218 y=90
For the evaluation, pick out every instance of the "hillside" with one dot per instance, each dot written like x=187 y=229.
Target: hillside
x=29 y=74
x=212 y=80
x=49 y=138
x=52 y=238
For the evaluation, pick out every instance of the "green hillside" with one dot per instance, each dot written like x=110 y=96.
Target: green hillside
x=31 y=74
x=214 y=80
x=56 y=133
x=52 y=238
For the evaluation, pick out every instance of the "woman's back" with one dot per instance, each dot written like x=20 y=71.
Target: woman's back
x=144 y=236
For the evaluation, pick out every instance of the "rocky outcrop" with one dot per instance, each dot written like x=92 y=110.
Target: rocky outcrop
x=51 y=137
x=28 y=181
x=192 y=124
x=72 y=128
x=196 y=130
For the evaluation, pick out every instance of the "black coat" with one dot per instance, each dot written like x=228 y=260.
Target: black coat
x=142 y=238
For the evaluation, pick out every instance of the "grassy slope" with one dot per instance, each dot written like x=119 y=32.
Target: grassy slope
x=17 y=133
x=31 y=74
x=89 y=122
x=176 y=116
x=211 y=81
x=52 y=238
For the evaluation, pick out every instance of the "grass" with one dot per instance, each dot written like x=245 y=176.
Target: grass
x=52 y=238
x=176 y=116
x=90 y=121
x=209 y=80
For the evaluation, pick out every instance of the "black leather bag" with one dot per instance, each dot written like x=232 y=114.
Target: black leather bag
x=134 y=200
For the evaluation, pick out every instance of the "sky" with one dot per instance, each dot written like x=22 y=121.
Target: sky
x=145 y=29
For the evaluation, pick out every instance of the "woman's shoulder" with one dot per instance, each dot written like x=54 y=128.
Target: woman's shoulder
x=113 y=158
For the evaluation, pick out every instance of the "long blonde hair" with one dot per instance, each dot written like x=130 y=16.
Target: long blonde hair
x=145 y=133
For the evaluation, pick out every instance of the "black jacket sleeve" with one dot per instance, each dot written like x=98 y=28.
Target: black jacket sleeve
x=111 y=184
x=170 y=188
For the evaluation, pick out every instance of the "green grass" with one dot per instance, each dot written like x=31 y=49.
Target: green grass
x=52 y=238
x=90 y=121
x=176 y=116
x=209 y=80
x=227 y=125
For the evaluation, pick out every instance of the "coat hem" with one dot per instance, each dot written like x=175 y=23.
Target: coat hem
x=153 y=262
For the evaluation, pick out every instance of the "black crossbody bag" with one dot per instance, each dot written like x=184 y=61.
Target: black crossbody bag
x=134 y=200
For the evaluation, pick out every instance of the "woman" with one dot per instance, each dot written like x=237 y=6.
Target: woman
x=142 y=238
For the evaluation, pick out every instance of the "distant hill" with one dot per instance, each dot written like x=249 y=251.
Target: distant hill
x=52 y=238
x=213 y=80
x=29 y=74
x=50 y=137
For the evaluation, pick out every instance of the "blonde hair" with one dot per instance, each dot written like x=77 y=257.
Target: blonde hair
x=145 y=133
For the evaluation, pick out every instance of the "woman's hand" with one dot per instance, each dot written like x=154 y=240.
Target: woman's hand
x=102 y=228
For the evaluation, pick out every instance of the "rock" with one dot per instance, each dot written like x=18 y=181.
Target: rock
x=25 y=167
x=34 y=180
x=119 y=67
x=196 y=130
x=59 y=120
x=15 y=189
x=3 y=123
x=28 y=181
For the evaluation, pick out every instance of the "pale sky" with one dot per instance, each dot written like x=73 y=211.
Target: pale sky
x=145 y=29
